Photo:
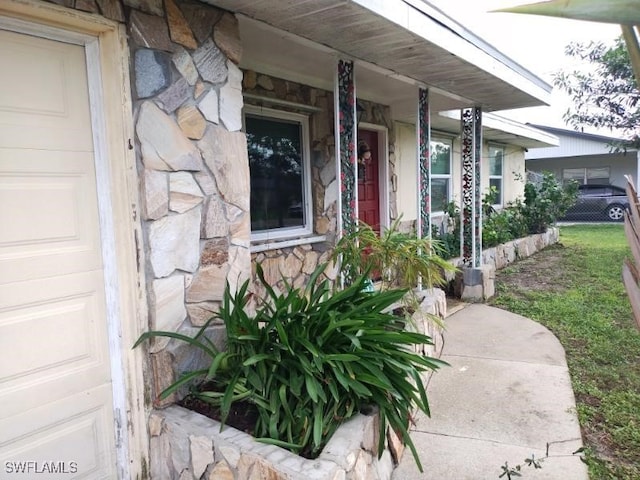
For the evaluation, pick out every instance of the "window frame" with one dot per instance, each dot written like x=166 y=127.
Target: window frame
x=500 y=177
x=283 y=233
x=440 y=176
x=585 y=175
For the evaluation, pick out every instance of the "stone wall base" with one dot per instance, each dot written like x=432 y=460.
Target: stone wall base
x=467 y=285
x=477 y=284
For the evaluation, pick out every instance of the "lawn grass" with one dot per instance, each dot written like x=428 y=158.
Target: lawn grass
x=584 y=303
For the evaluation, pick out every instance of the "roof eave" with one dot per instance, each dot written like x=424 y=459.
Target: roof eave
x=420 y=43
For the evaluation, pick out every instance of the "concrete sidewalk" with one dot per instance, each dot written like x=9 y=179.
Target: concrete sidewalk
x=506 y=395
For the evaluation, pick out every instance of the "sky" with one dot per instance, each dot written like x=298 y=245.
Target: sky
x=535 y=42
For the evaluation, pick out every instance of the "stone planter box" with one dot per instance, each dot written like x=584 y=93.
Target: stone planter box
x=186 y=445
x=498 y=257
x=505 y=254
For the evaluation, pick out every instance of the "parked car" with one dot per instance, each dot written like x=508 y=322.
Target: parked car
x=599 y=202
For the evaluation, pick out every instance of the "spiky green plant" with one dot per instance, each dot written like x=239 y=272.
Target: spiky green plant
x=310 y=358
x=400 y=259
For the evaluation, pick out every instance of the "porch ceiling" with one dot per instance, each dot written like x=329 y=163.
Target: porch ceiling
x=408 y=41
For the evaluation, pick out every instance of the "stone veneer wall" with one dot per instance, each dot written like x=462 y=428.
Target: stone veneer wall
x=295 y=264
x=194 y=186
x=192 y=162
x=505 y=254
x=193 y=167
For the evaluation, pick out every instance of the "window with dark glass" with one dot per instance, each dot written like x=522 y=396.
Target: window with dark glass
x=277 y=169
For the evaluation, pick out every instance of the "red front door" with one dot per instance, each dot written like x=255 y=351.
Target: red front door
x=368 y=184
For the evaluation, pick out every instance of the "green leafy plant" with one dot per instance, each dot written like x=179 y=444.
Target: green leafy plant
x=511 y=472
x=544 y=203
x=400 y=259
x=448 y=236
x=501 y=226
x=309 y=359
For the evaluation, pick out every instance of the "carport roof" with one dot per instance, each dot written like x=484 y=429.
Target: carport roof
x=410 y=39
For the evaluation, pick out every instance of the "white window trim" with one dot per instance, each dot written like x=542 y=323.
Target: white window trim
x=307 y=229
x=498 y=177
x=436 y=176
x=585 y=173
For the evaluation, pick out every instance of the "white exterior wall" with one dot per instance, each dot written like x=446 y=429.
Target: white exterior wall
x=406 y=170
x=513 y=173
x=570 y=146
x=619 y=164
x=513 y=165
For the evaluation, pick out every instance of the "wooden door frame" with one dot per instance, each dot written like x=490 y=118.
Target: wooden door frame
x=120 y=231
x=383 y=170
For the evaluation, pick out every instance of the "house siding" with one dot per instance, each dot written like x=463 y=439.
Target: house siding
x=619 y=165
x=513 y=172
x=571 y=146
x=583 y=150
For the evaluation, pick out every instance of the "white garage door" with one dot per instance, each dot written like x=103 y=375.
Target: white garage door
x=55 y=383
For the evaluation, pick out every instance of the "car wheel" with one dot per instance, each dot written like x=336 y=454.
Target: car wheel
x=616 y=212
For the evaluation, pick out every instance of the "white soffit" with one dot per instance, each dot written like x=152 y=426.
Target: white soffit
x=504 y=130
x=407 y=37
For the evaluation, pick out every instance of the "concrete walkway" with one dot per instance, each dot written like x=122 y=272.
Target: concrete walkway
x=506 y=395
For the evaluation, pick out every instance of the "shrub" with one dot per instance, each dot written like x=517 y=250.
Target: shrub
x=398 y=258
x=449 y=236
x=543 y=204
x=309 y=359
x=501 y=226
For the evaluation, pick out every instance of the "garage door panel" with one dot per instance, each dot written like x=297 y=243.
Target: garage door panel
x=57 y=319
x=74 y=431
x=56 y=231
x=55 y=382
x=46 y=101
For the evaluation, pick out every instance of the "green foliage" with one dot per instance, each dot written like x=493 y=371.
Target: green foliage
x=399 y=258
x=542 y=206
x=605 y=95
x=511 y=472
x=449 y=238
x=504 y=225
x=309 y=359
